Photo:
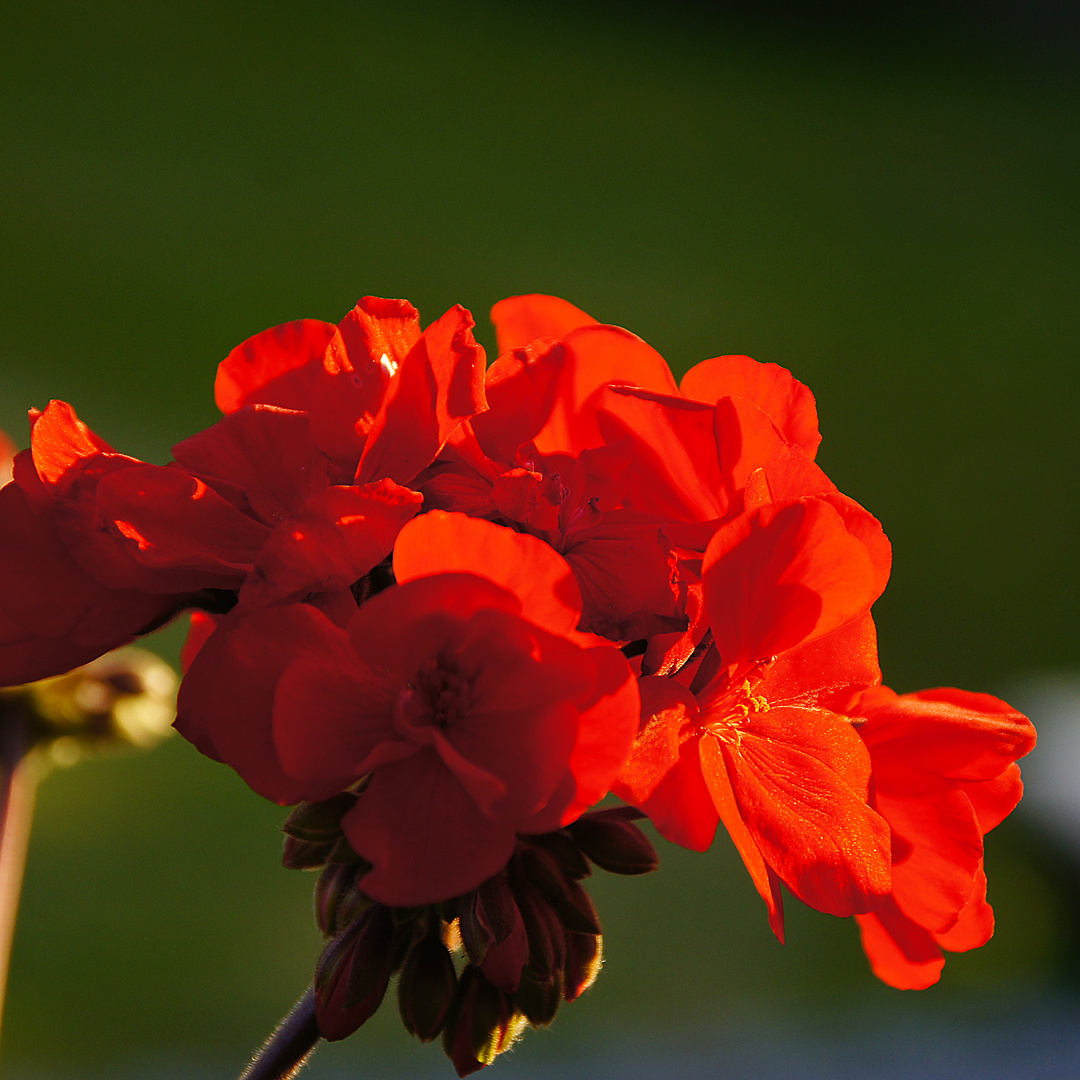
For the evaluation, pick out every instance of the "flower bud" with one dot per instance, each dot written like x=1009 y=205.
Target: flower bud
x=562 y=847
x=565 y=895
x=539 y=999
x=319 y=822
x=544 y=933
x=353 y=972
x=484 y=1023
x=304 y=855
x=584 y=958
x=613 y=842
x=505 y=959
x=333 y=893
x=495 y=907
x=426 y=987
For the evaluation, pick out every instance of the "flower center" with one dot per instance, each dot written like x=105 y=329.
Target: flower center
x=728 y=712
x=442 y=687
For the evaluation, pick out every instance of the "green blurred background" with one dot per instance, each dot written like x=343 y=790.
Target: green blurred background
x=888 y=207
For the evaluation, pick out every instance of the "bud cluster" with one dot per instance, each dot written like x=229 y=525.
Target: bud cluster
x=477 y=968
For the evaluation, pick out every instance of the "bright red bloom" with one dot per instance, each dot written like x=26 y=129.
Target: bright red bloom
x=756 y=739
x=464 y=694
x=382 y=397
x=944 y=775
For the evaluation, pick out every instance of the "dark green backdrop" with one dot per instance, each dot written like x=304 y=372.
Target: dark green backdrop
x=889 y=209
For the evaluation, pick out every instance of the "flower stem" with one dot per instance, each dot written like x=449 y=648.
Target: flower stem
x=286 y=1052
x=18 y=785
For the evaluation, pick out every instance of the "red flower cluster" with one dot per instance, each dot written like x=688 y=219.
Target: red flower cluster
x=480 y=598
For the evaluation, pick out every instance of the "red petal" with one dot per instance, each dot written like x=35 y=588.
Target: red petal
x=663 y=775
x=182 y=533
x=826 y=671
x=439 y=384
x=714 y=766
x=425 y=837
x=59 y=441
x=800 y=780
x=226 y=699
x=777 y=578
x=937 y=849
x=627 y=572
x=520 y=387
x=975 y=926
x=994 y=800
x=245 y=374
x=946 y=732
x=606 y=728
x=901 y=953
x=528 y=568
x=341 y=534
x=597 y=355
x=674 y=471
x=786 y=401
x=269 y=453
x=521 y=319
x=200 y=627
x=330 y=711
x=374 y=329
x=53 y=615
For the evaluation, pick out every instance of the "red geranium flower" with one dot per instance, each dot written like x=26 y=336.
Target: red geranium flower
x=944 y=775
x=462 y=701
x=756 y=739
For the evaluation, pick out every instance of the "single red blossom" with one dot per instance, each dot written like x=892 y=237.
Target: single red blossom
x=463 y=697
x=53 y=615
x=383 y=397
x=944 y=775
x=247 y=506
x=752 y=735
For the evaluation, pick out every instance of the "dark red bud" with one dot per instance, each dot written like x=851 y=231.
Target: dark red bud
x=584 y=958
x=544 y=932
x=566 y=896
x=561 y=846
x=539 y=999
x=332 y=898
x=476 y=936
x=304 y=854
x=352 y=974
x=319 y=822
x=613 y=842
x=426 y=987
x=495 y=908
x=505 y=959
x=483 y=1025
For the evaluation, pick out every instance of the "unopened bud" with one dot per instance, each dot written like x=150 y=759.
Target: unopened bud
x=505 y=959
x=544 y=933
x=304 y=855
x=337 y=901
x=484 y=1023
x=584 y=958
x=539 y=999
x=319 y=822
x=353 y=972
x=426 y=987
x=563 y=849
x=612 y=840
x=565 y=895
